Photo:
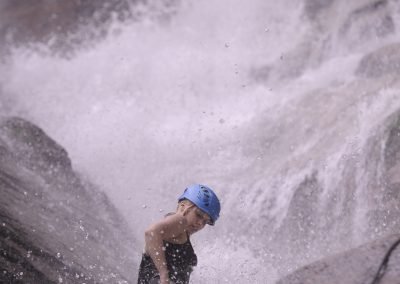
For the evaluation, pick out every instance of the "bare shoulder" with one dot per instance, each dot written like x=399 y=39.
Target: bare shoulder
x=170 y=228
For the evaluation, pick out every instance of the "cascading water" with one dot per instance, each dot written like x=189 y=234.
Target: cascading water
x=290 y=111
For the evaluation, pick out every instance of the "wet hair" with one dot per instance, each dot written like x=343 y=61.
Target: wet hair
x=184 y=201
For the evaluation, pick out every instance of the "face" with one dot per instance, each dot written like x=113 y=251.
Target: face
x=197 y=219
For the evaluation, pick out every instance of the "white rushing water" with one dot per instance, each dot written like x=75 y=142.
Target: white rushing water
x=254 y=98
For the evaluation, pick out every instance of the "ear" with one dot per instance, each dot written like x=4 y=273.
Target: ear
x=181 y=207
x=186 y=208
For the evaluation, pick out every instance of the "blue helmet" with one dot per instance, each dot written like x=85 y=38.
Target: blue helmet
x=204 y=198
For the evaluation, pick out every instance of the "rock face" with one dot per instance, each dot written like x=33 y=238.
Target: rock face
x=360 y=23
x=356 y=266
x=380 y=62
x=55 y=227
x=57 y=23
x=67 y=26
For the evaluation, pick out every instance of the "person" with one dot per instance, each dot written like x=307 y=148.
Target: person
x=168 y=256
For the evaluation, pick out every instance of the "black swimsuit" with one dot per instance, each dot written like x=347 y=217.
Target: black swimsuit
x=180 y=260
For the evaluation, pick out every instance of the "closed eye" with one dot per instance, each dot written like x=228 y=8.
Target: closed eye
x=202 y=216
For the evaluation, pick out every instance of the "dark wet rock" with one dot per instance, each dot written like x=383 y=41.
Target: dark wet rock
x=381 y=193
x=355 y=266
x=359 y=25
x=302 y=220
x=392 y=145
x=33 y=147
x=313 y=8
x=57 y=23
x=381 y=62
x=66 y=26
x=55 y=226
x=373 y=20
x=336 y=201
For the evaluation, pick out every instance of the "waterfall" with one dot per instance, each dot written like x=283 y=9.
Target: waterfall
x=289 y=110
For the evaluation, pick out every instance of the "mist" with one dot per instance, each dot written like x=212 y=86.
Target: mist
x=254 y=99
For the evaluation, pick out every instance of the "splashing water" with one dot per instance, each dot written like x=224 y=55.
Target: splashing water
x=287 y=110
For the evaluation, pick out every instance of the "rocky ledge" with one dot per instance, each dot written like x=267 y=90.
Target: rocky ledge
x=55 y=226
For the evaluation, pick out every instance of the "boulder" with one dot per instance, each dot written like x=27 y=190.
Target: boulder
x=55 y=226
x=356 y=266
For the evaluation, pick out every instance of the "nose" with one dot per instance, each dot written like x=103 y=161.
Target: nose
x=201 y=223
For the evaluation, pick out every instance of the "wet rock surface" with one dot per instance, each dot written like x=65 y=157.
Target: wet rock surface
x=381 y=62
x=62 y=28
x=57 y=23
x=55 y=227
x=355 y=266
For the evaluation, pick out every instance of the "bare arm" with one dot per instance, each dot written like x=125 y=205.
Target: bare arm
x=169 y=228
